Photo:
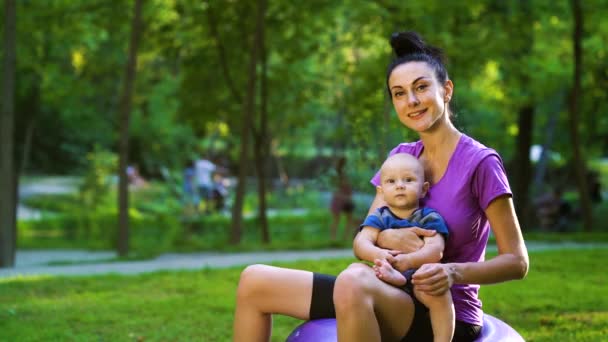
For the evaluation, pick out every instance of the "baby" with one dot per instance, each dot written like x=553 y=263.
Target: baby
x=402 y=185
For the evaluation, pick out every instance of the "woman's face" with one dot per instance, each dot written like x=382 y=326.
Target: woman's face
x=419 y=100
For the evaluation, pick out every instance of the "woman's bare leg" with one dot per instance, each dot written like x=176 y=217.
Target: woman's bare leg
x=264 y=290
x=368 y=309
x=441 y=310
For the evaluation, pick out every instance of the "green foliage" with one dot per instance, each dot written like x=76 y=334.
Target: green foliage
x=298 y=218
x=97 y=180
x=326 y=65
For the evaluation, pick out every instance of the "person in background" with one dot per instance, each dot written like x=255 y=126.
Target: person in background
x=595 y=187
x=135 y=179
x=219 y=191
x=204 y=169
x=342 y=202
x=552 y=211
x=191 y=199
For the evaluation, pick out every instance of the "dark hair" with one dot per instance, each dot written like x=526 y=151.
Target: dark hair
x=409 y=47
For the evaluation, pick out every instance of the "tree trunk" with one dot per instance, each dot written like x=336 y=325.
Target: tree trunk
x=523 y=166
x=261 y=147
x=579 y=159
x=29 y=134
x=8 y=205
x=247 y=119
x=125 y=113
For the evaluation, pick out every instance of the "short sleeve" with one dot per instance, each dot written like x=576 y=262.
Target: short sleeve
x=490 y=180
x=374 y=220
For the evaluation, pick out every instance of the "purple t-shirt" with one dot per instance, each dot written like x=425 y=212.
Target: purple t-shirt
x=474 y=177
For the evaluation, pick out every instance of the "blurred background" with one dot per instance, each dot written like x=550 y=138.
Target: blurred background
x=171 y=125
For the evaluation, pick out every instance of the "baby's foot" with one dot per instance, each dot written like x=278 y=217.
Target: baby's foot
x=387 y=273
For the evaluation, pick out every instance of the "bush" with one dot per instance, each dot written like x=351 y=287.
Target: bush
x=298 y=219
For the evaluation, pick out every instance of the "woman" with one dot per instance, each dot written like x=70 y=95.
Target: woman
x=468 y=188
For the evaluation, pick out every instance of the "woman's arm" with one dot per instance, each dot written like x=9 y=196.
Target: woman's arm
x=365 y=247
x=510 y=263
x=512 y=259
x=376 y=203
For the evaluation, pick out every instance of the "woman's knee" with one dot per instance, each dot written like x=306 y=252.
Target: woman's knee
x=353 y=286
x=252 y=281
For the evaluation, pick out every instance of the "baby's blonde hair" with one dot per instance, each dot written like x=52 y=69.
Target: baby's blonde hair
x=403 y=160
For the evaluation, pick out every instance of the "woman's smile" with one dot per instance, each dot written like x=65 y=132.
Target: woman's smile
x=417 y=114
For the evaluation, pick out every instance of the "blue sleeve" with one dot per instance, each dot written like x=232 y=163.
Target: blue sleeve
x=373 y=220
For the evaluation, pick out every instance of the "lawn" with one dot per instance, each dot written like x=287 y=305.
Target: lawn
x=564 y=298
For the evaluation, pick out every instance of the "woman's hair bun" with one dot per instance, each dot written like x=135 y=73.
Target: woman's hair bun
x=410 y=42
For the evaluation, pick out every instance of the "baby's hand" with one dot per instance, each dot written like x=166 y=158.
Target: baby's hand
x=388 y=255
x=394 y=252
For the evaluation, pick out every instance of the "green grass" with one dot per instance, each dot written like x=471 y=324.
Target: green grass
x=564 y=298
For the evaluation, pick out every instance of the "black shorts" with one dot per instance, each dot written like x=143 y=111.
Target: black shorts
x=322 y=306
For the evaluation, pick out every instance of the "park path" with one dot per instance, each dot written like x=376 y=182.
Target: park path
x=45 y=185
x=46 y=262
x=95 y=263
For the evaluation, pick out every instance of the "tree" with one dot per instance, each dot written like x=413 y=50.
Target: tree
x=522 y=171
x=246 y=121
x=125 y=112
x=8 y=231
x=261 y=136
x=577 y=153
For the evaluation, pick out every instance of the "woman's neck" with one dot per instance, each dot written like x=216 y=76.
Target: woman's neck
x=436 y=141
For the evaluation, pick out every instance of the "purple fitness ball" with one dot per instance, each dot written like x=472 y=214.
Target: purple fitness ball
x=318 y=330
x=324 y=330
x=495 y=330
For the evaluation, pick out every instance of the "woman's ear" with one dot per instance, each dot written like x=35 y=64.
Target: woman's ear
x=448 y=90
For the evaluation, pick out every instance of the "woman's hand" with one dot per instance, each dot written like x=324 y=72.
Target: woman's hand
x=406 y=240
x=433 y=279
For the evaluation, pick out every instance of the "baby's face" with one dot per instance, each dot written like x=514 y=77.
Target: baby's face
x=402 y=182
